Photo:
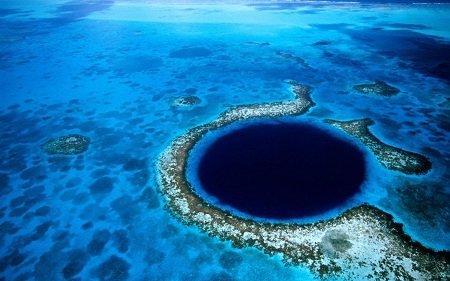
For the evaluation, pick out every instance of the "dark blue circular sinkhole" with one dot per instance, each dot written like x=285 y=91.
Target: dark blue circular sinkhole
x=281 y=170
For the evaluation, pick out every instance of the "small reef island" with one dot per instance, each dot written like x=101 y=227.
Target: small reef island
x=363 y=243
x=379 y=88
x=67 y=145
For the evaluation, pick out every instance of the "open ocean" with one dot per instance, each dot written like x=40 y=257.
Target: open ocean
x=118 y=72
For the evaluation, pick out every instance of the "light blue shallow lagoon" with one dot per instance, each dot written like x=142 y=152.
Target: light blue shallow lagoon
x=132 y=75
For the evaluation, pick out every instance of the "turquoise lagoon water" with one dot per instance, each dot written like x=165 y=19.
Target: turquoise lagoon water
x=111 y=70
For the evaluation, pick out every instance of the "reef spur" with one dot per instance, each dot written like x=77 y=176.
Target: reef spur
x=364 y=243
x=389 y=156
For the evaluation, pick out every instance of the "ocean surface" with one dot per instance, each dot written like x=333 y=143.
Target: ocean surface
x=113 y=70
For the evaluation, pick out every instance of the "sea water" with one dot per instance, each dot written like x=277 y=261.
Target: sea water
x=111 y=71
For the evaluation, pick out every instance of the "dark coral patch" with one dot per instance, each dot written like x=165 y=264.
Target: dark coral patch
x=87 y=225
x=322 y=43
x=150 y=198
x=135 y=164
x=42 y=211
x=77 y=261
x=153 y=256
x=221 y=276
x=441 y=70
x=98 y=242
x=125 y=206
x=229 y=260
x=16 y=258
x=419 y=51
x=18 y=201
x=190 y=91
x=8 y=227
x=260 y=44
x=41 y=230
x=298 y=60
x=102 y=185
x=75 y=10
x=73 y=182
x=60 y=163
x=8 y=12
x=406 y=26
x=140 y=178
x=380 y=88
x=17 y=212
x=191 y=52
x=36 y=173
x=68 y=144
x=120 y=240
x=113 y=269
x=134 y=64
x=15 y=160
x=4 y=181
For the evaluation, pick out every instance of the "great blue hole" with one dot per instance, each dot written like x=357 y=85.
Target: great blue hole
x=281 y=170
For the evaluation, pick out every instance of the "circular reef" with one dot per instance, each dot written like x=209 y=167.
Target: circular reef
x=68 y=144
x=281 y=170
x=363 y=243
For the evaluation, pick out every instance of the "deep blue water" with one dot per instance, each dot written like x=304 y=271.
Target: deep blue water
x=281 y=171
x=111 y=70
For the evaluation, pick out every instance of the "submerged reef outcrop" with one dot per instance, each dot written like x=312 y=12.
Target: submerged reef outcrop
x=389 y=156
x=186 y=101
x=363 y=243
x=261 y=44
x=380 y=88
x=68 y=144
x=294 y=58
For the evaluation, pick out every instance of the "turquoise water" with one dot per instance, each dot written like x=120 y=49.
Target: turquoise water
x=111 y=70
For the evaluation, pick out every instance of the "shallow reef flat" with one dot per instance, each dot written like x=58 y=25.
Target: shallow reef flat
x=363 y=242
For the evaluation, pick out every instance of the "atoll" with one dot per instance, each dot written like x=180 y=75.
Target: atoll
x=380 y=88
x=362 y=243
x=185 y=101
x=389 y=156
x=68 y=144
